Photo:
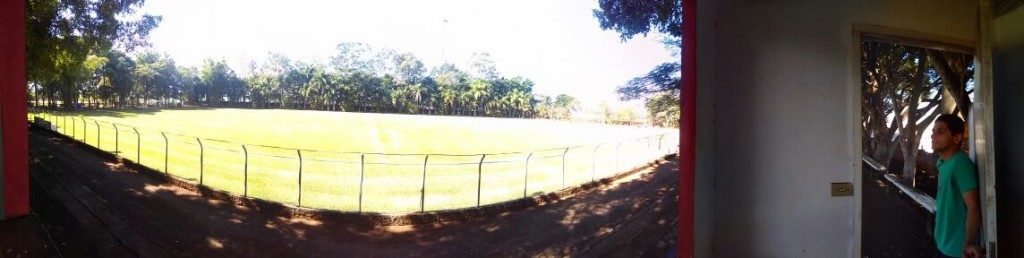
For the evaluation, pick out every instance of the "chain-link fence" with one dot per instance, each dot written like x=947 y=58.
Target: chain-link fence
x=362 y=182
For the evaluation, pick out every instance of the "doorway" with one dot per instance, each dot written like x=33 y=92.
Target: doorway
x=904 y=85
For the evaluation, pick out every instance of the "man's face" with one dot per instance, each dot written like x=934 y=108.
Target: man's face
x=942 y=138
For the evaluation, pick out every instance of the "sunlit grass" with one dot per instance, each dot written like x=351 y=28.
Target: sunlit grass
x=342 y=153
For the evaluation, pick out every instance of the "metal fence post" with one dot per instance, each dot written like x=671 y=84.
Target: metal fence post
x=85 y=130
x=201 y=150
x=638 y=155
x=659 y=143
x=117 y=139
x=617 y=156
x=300 y=176
x=362 y=165
x=650 y=150
x=526 y=174
x=166 y=150
x=479 y=179
x=423 y=187
x=563 y=167
x=593 y=164
x=138 y=145
x=97 y=133
x=245 y=173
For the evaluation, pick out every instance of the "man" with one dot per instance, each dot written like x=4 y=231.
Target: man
x=958 y=213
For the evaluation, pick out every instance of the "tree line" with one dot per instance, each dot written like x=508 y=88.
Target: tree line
x=357 y=78
x=78 y=55
x=904 y=89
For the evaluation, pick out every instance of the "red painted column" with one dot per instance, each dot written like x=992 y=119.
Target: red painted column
x=687 y=128
x=13 y=108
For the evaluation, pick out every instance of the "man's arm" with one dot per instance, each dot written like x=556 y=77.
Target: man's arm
x=973 y=218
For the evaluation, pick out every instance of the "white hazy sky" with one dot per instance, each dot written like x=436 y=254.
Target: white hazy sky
x=557 y=44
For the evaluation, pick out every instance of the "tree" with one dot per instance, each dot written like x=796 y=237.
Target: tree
x=483 y=67
x=662 y=79
x=565 y=101
x=60 y=35
x=564 y=106
x=664 y=109
x=352 y=57
x=631 y=18
x=384 y=62
x=118 y=73
x=220 y=82
x=190 y=85
x=452 y=84
x=479 y=90
x=361 y=80
x=545 y=106
x=522 y=95
x=318 y=90
x=156 y=77
x=409 y=69
x=900 y=101
x=91 y=69
x=955 y=70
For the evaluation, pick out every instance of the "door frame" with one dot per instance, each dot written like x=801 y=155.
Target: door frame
x=981 y=111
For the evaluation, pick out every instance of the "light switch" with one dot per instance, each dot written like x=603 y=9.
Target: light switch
x=842 y=189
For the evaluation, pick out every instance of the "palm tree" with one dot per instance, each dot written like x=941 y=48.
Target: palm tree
x=479 y=90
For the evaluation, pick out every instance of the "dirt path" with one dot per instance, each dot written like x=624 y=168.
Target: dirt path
x=118 y=211
x=893 y=224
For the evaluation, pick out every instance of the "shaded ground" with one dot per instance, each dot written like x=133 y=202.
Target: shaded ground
x=893 y=225
x=95 y=207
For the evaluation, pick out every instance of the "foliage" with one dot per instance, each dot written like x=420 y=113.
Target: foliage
x=60 y=37
x=902 y=89
x=661 y=85
x=358 y=78
x=633 y=17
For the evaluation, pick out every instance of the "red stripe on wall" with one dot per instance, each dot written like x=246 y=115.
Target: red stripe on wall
x=13 y=107
x=687 y=128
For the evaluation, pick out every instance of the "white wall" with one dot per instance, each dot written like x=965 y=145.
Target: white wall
x=777 y=95
x=1008 y=86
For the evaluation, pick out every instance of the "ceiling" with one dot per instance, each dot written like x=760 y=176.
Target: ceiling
x=1000 y=7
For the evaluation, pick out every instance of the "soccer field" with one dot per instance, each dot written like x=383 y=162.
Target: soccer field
x=386 y=163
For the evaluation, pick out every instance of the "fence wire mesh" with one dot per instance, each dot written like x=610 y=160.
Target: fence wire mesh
x=360 y=182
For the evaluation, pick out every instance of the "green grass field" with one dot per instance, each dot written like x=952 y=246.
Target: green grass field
x=342 y=150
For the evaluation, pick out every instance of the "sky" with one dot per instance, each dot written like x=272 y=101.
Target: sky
x=557 y=44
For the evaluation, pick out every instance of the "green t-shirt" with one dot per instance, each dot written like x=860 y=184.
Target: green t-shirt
x=956 y=176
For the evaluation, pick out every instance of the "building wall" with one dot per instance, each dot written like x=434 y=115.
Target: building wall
x=704 y=167
x=12 y=105
x=778 y=92
x=1 y=167
x=1008 y=86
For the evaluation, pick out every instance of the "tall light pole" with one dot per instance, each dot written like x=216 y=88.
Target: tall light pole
x=444 y=42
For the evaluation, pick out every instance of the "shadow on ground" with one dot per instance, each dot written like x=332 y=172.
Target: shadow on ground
x=98 y=207
x=893 y=225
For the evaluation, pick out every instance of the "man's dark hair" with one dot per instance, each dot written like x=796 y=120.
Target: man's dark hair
x=953 y=122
